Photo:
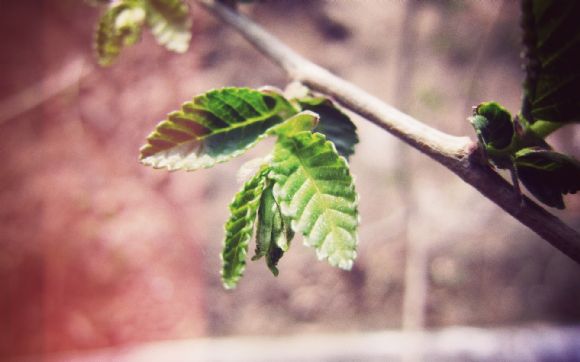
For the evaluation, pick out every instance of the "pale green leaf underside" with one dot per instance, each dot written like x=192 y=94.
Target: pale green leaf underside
x=314 y=188
x=239 y=229
x=170 y=23
x=215 y=127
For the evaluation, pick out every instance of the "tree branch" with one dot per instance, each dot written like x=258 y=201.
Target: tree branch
x=459 y=154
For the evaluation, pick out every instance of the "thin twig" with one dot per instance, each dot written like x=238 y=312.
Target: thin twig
x=416 y=284
x=458 y=154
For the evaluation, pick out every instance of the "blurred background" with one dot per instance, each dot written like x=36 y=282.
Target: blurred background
x=98 y=252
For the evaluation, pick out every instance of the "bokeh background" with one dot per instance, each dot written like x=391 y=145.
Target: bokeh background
x=97 y=251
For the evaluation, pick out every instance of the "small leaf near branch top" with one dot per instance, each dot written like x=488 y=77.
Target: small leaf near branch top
x=123 y=20
x=334 y=123
x=215 y=127
x=170 y=23
x=314 y=188
x=119 y=26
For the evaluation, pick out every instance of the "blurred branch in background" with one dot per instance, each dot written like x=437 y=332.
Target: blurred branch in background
x=414 y=298
x=416 y=256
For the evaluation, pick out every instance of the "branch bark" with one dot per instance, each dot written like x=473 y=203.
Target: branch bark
x=460 y=155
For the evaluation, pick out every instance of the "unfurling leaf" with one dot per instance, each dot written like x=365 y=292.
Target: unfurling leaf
x=119 y=26
x=314 y=188
x=509 y=145
x=240 y=228
x=493 y=125
x=170 y=23
x=215 y=127
x=334 y=123
x=548 y=175
x=272 y=231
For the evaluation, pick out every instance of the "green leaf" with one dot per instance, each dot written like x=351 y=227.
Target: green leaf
x=215 y=127
x=303 y=121
x=552 y=41
x=500 y=135
x=271 y=234
x=493 y=125
x=548 y=175
x=170 y=23
x=118 y=27
x=315 y=190
x=334 y=123
x=240 y=228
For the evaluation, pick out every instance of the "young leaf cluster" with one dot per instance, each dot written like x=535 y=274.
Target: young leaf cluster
x=551 y=100
x=303 y=187
x=122 y=22
x=510 y=143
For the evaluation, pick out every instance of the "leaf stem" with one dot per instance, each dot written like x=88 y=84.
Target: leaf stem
x=460 y=155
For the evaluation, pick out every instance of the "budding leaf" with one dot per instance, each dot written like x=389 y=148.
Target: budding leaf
x=545 y=173
x=493 y=125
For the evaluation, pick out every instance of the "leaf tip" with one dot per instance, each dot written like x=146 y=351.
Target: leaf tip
x=274 y=271
x=229 y=284
x=346 y=264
